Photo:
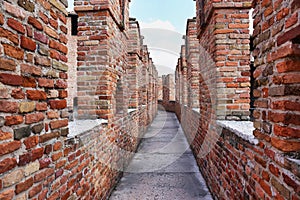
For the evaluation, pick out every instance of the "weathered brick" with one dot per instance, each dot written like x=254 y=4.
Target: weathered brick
x=35 y=190
x=22 y=132
x=60 y=66
x=13 y=178
x=24 y=159
x=37 y=154
x=42 y=175
x=41 y=60
x=27 y=5
x=36 y=95
x=24 y=185
x=13 y=52
x=18 y=93
x=13 y=120
x=41 y=37
x=48 y=136
x=44 y=163
x=7 y=194
x=47 y=83
x=61 y=84
x=5 y=135
x=26 y=107
x=41 y=106
x=60 y=47
x=34 y=118
x=9 y=147
x=49 y=31
x=7 y=164
x=280 y=188
x=58 y=124
x=7 y=64
x=30 y=69
x=37 y=129
x=31 y=142
x=286 y=145
x=8 y=107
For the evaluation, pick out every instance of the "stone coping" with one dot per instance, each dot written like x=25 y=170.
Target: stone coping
x=243 y=129
x=78 y=127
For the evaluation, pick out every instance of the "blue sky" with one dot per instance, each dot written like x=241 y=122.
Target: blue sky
x=176 y=12
x=163 y=23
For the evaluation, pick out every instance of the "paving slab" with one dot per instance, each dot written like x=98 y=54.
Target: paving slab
x=164 y=167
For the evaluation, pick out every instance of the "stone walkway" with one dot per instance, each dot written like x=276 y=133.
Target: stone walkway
x=164 y=167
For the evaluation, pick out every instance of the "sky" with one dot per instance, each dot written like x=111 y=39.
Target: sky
x=163 y=24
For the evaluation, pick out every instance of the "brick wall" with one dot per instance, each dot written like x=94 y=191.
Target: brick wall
x=265 y=164
x=42 y=155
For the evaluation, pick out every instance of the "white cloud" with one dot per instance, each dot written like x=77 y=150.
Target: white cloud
x=158 y=24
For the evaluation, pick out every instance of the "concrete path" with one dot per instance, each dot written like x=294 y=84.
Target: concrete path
x=164 y=167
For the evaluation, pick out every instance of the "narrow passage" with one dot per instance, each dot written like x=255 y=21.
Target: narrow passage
x=164 y=167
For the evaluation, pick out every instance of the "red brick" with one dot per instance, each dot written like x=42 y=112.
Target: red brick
x=31 y=142
x=35 y=190
x=292 y=20
x=8 y=107
x=41 y=106
x=36 y=95
x=54 y=54
x=9 y=35
x=63 y=29
x=61 y=84
x=9 y=147
x=41 y=37
x=58 y=104
x=34 y=118
x=5 y=135
x=265 y=187
x=52 y=114
x=13 y=52
x=18 y=93
x=7 y=194
x=35 y=23
x=47 y=83
x=7 y=164
x=63 y=75
x=55 y=45
x=13 y=120
x=63 y=94
x=10 y=79
x=288 y=35
x=53 y=23
x=58 y=124
x=37 y=153
x=29 y=69
x=57 y=146
x=282 y=13
x=16 y=25
x=44 y=163
x=44 y=61
x=24 y=185
x=63 y=39
x=28 y=43
x=24 y=159
x=48 y=136
x=42 y=175
x=1 y=19
x=29 y=82
x=285 y=131
x=290 y=182
x=43 y=194
x=56 y=156
x=286 y=145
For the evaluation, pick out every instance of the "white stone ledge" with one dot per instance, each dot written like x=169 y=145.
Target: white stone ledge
x=131 y=110
x=243 y=129
x=78 y=127
x=196 y=110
